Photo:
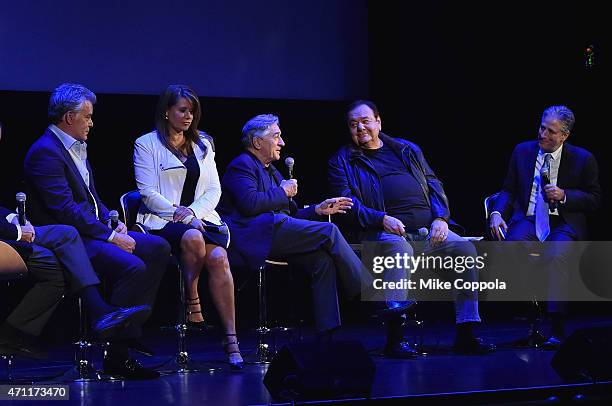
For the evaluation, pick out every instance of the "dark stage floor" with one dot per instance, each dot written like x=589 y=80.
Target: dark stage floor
x=507 y=375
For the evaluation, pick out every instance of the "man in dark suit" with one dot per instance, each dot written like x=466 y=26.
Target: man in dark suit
x=258 y=206
x=550 y=185
x=63 y=192
x=57 y=263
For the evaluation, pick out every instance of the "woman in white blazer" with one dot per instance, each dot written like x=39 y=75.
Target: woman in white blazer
x=177 y=178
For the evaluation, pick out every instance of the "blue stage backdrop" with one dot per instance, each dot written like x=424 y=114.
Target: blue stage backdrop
x=313 y=50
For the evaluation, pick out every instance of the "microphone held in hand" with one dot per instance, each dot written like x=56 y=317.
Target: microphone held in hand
x=552 y=204
x=420 y=235
x=290 y=162
x=114 y=219
x=21 y=211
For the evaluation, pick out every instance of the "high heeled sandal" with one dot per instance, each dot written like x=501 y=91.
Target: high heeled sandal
x=195 y=325
x=234 y=358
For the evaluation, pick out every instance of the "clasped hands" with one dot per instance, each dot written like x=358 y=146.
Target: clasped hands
x=182 y=212
x=553 y=193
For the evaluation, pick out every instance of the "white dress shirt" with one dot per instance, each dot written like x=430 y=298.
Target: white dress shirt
x=555 y=161
x=78 y=152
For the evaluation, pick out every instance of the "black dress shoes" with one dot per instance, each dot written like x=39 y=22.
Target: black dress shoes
x=401 y=350
x=127 y=368
x=110 y=323
x=398 y=309
x=553 y=343
x=136 y=345
x=16 y=342
x=472 y=346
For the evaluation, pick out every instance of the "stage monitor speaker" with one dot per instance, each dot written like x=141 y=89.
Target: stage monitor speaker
x=585 y=355
x=320 y=370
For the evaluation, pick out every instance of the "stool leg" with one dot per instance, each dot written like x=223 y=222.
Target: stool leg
x=9 y=366
x=181 y=362
x=263 y=349
x=182 y=355
x=83 y=362
x=535 y=338
x=83 y=369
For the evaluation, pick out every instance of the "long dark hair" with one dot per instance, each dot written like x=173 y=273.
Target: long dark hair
x=169 y=98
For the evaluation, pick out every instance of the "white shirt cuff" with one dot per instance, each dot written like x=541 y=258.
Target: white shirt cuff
x=187 y=220
x=10 y=218
x=110 y=239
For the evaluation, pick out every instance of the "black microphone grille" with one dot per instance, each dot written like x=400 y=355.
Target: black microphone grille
x=113 y=215
x=289 y=161
x=20 y=197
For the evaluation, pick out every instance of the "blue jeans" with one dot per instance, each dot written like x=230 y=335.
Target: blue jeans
x=389 y=245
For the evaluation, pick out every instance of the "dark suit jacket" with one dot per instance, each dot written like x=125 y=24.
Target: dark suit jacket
x=578 y=176
x=8 y=234
x=57 y=193
x=249 y=211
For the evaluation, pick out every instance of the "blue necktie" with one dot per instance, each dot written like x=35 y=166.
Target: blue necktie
x=542 y=226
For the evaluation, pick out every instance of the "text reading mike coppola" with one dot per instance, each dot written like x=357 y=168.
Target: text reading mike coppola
x=489 y=270
x=461 y=273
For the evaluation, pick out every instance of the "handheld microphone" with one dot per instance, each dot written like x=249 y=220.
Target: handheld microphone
x=21 y=199
x=552 y=204
x=420 y=235
x=289 y=162
x=114 y=219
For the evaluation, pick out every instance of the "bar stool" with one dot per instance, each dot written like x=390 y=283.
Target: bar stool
x=534 y=337
x=412 y=320
x=264 y=353
x=130 y=203
x=83 y=369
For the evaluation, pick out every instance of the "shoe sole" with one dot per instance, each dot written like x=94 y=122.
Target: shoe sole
x=397 y=311
x=138 y=317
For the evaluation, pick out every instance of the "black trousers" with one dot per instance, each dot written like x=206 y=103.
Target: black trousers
x=319 y=249
x=58 y=265
x=134 y=278
x=553 y=265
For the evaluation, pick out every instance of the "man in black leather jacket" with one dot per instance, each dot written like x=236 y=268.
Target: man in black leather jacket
x=397 y=197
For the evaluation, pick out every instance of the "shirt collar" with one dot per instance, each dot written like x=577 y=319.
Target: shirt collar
x=554 y=155
x=66 y=139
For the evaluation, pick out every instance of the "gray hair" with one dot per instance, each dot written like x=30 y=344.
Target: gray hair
x=68 y=97
x=257 y=127
x=562 y=114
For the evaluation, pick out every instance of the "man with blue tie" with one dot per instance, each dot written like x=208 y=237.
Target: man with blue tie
x=62 y=191
x=551 y=185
